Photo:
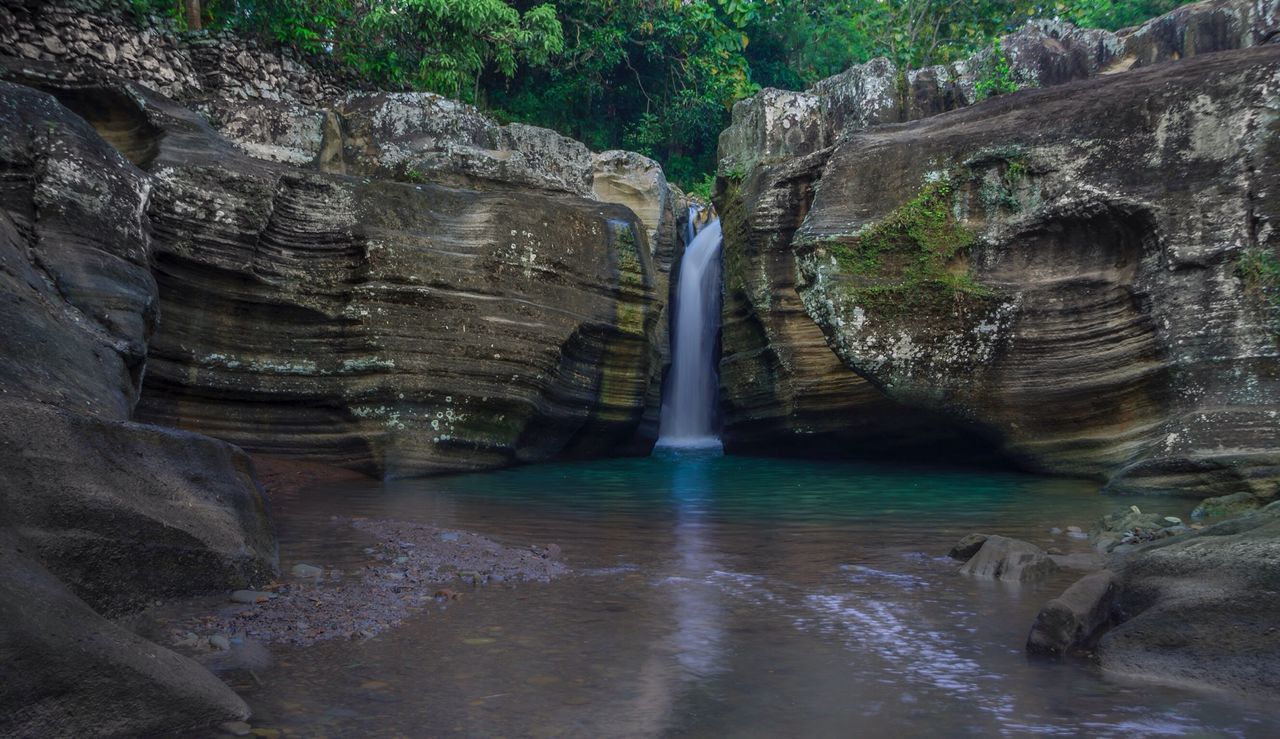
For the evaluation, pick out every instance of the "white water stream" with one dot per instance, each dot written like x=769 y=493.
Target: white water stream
x=688 y=408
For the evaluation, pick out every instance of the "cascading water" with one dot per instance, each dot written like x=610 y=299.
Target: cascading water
x=688 y=408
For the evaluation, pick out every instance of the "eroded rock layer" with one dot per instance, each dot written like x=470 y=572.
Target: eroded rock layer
x=397 y=327
x=1071 y=270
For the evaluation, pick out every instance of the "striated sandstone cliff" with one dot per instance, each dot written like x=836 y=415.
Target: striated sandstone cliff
x=1061 y=276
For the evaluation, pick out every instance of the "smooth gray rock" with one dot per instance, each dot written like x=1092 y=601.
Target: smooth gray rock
x=1200 y=609
x=1071 y=621
x=67 y=671
x=1009 y=560
x=125 y=513
x=306 y=571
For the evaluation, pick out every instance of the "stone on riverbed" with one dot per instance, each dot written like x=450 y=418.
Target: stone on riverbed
x=306 y=571
x=1071 y=621
x=967 y=547
x=1010 y=560
x=250 y=597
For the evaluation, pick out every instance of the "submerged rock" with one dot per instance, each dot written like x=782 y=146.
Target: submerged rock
x=1010 y=560
x=1071 y=621
x=306 y=571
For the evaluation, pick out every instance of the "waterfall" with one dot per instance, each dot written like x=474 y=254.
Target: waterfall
x=688 y=407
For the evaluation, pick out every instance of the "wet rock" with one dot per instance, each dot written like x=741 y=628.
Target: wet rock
x=1227 y=505
x=218 y=641
x=236 y=728
x=967 y=547
x=1131 y=526
x=1009 y=560
x=1071 y=621
x=1085 y=561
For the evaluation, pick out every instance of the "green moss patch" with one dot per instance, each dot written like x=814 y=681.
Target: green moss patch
x=1260 y=271
x=914 y=259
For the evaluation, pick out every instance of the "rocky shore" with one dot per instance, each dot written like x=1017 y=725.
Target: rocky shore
x=1184 y=605
x=409 y=566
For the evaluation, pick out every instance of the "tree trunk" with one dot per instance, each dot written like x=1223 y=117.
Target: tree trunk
x=193 y=15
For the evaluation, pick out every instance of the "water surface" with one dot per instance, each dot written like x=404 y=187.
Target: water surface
x=720 y=596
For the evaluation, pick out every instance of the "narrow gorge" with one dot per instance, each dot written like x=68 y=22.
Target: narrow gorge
x=332 y=410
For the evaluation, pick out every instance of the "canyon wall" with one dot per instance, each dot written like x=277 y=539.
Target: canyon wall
x=390 y=282
x=1073 y=277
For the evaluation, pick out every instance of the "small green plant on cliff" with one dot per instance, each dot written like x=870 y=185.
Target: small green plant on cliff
x=1260 y=271
x=913 y=259
x=997 y=76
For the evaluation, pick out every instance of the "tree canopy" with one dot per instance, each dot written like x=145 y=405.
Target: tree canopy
x=655 y=76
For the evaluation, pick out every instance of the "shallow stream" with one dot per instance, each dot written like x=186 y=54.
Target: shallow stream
x=719 y=596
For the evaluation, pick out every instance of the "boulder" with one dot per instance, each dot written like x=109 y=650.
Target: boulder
x=1071 y=621
x=1009 y=560
x=1227 y=505
x=1199 y=610
x=125 y=513
x=424 y=137
x=968 y=546
x=637 y=182
x=1132 y=526
x=67 y=671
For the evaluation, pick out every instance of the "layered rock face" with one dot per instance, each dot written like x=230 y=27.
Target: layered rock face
x=120 y=513
x=1063 y=275
x=396 y=326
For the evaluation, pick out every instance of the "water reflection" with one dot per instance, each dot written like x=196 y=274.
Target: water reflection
x=719 y=596
x=692 y=650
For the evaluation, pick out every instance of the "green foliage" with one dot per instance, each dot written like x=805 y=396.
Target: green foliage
x=704 y=188
x=914 y=259
x=657 y=76
x=1110 y=14
x=997 y=76
x=1260 y=271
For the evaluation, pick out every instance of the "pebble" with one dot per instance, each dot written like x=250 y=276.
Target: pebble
x=250 y=596
x=1055 y=531
x=1075 y=529
x=304 y=570
x=220 y=641
x=236 y=728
